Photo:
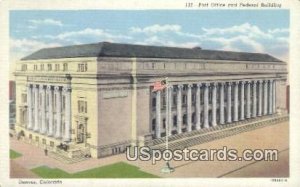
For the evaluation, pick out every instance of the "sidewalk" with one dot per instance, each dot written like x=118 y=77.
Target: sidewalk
x=271 y=137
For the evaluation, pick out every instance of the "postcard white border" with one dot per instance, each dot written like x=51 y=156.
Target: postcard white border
x=294 y=64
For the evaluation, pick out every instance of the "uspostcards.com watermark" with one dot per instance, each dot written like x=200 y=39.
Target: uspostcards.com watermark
x=224 y=154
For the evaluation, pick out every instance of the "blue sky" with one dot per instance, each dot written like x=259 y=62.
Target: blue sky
x=263 y=31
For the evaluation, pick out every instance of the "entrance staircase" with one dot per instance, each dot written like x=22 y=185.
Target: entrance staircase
x=181 y=141
x=73 y=155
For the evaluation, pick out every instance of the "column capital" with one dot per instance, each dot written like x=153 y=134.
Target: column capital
x=229 y=83
x=56 y=88
x=271 y=80
x=66 y=88
x=180 y=86
x=49 y=87
x=243 y=82
x=190 y=85
x=169 y=86
x=199 y=85
x=215 y=84
x=35 y=86
x=222 y=83
x=255 y=81
x=206 y=84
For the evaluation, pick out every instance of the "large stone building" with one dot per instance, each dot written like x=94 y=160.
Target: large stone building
x=98 y=98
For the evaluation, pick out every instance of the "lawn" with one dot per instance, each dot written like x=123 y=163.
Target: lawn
x=117 y=170
x=13 y=154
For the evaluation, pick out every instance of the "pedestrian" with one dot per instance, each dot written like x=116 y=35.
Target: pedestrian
x=46 y=152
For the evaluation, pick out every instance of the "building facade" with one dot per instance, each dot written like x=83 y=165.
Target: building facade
x=98 y=99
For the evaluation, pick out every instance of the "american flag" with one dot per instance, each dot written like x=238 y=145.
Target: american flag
x=159 y=85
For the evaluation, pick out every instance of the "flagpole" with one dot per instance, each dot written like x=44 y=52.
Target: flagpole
x=167 y=168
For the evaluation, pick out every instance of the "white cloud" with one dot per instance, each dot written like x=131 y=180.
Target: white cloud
x=46 y=22
x=88 y=32
x=156 y=29
x=22 y=47
x=278 y=30
x=251 y=31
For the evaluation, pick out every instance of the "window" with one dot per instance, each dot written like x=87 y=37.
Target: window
x=56 y=67
x=35 y=67
x=193 y=98
x=174 y=100
x=24 y=98
x=82 y=67
x=44 y=141
x=82 y=106
x=49 y=67
x=175 y=121
x=153 y=102
x=184 y=99
x=65 y=67
x=24 y=67
x=37 y=138
x=30 y=136
x=184 y=119
x=153 y=124
x=42 y=67
x=51 y=144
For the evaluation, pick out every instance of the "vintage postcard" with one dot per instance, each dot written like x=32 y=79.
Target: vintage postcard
x=187 y=93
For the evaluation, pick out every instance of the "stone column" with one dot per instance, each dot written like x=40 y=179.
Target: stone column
x=198 y=107
x=274 y=96
x=229 y=102
x=43 y=110
x=36 y=109
x=189 y=108
x=236 y=101
x=222 y=120
x=50 y=111
x=242 y=100
x=265 y=97
x=254 y=102
x=170 y=116
x=179 y=109
x=29 y=106
x=214 y=104
x=248 y=105
x=68 y=129
x=260 y=95
x=158 y=114
x=206 y=124
x=58 y=132
x=270 y=97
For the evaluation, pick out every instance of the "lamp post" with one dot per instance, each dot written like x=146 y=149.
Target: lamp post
x=167 y=168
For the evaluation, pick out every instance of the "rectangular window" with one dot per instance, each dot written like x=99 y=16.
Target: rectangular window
x=44 y=141
x=24 y=98
x=51 y=144
x=65 y=67
x=49 y=67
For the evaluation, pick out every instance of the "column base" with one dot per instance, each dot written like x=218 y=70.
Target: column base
x=66 y=139
x=206 y=125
